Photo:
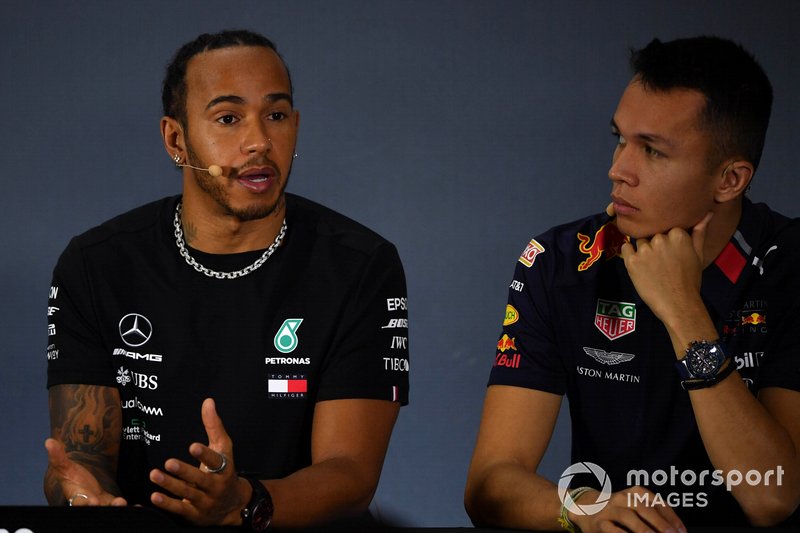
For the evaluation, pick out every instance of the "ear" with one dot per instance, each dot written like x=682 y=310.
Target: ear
x=174 y=138
x=734 y=180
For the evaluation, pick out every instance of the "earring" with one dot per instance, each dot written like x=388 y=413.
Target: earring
x=294 y=156
x=177 y=159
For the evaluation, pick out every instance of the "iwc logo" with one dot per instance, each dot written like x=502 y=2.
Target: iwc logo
x=286 y=338
x=135 y=329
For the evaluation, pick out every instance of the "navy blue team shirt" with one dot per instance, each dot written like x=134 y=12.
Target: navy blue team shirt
x=575 y=325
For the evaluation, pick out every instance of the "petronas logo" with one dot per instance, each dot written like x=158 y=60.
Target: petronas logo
x=286 y=338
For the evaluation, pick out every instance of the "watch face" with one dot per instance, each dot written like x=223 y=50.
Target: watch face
x=704 y=359
x=262 y=516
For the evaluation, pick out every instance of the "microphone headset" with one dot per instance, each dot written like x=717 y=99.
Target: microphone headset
x=214 y=170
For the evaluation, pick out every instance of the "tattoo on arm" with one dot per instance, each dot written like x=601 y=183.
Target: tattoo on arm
x=88 y=420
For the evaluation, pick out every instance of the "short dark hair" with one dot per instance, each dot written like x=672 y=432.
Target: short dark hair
x=737 y=91
x=173 y=90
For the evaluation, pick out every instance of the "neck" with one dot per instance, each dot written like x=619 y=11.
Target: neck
x=216 y=232
x=720 y=229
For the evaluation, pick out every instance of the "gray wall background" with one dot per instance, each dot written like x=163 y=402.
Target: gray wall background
x=457 y=129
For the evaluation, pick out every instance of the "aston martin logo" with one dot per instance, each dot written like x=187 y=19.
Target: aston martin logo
x=608 y=358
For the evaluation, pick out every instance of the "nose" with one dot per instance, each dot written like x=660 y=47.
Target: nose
x=256 y=141
x=623 y=167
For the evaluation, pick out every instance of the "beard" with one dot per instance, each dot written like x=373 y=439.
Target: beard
x=216 y=188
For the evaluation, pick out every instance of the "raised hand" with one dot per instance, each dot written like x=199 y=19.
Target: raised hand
x=210 y=493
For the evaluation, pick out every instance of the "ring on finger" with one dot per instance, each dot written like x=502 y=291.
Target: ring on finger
x=221 y=467
x=77 y=495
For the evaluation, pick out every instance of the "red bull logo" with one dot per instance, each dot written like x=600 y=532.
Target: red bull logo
x=608 y=239
x=754 y=319
x=507 y=361
x=505 y=343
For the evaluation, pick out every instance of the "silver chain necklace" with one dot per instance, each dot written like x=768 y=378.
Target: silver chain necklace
x=223 y=275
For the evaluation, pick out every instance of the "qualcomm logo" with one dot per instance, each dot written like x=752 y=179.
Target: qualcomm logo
x=135 y=329
x=584 y=468
x=286 y=338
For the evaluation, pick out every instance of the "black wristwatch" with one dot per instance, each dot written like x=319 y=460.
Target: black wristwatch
x=700 y=367
x=257 y=515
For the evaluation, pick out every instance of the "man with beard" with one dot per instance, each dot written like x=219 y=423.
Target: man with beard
x=229 y=355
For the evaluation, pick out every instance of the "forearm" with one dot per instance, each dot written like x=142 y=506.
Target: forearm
x=511 y=496
x=84 y=445
x=738 y=432
x=334 y=489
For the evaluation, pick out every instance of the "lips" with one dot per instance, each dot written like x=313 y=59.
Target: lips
x=621 y=207
x=257 y=179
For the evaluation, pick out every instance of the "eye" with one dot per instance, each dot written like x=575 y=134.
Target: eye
x=277 y=116
x=652 y=152
x=620 y=139
x=227 y=119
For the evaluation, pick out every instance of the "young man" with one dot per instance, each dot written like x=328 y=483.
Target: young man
x=281 y=318
x=667 y=322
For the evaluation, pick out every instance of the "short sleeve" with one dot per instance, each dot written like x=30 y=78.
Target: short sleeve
x=780 y=367
x=369 y=358
x=75 y=352
x=527 y=354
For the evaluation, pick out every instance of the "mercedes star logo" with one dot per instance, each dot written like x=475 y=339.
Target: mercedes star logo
x=135 y=329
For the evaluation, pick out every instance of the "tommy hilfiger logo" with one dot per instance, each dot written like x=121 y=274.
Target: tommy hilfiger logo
x=290 y=385
x=615 y=319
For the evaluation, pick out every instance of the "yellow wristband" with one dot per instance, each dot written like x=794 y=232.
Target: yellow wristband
x=564 y=520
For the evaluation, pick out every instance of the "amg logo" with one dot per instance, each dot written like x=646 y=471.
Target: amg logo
x=154 y=357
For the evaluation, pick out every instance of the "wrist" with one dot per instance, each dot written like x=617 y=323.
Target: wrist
x=571 y=521
x=244 y=491
x=256 y=515
x=682 y=332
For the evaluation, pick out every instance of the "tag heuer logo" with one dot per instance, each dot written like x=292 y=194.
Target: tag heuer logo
x=615 y=319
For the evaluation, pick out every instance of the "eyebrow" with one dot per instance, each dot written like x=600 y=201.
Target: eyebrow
x=647 y=137
x=234 y=99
